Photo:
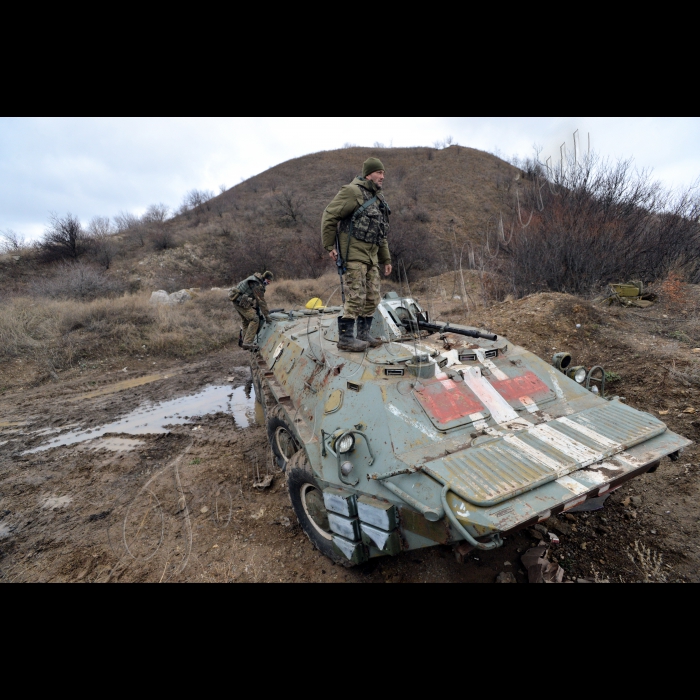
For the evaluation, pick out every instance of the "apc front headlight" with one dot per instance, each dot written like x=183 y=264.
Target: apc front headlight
x=345 y=444
x=578 y=374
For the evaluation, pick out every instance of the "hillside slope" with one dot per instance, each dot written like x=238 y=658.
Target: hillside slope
x=439 y=199
x=273 y=220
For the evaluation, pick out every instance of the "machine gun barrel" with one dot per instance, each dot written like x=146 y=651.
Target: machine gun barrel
x=446 y=328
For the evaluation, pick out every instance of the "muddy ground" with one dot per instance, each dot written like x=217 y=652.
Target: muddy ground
x=180 y=505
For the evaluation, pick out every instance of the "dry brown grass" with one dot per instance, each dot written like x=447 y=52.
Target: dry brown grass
x=59 y=334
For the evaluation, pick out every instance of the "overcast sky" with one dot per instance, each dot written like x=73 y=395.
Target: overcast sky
x=102 y=165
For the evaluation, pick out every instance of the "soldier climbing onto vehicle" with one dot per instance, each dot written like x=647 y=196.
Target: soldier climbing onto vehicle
x=355 y=233
x=249 y=300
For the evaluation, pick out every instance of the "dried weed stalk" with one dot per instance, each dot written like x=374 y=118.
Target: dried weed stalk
x=648 y=563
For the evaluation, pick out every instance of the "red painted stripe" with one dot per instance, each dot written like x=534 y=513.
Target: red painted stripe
x=525 y=385
x=447 y=401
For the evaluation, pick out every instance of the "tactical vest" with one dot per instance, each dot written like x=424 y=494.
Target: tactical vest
x=246 y=286
x=370 y=224
x=243 y=293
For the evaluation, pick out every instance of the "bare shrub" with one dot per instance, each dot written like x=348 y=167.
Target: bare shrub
x=12 y=242
x=198 y=200
x=163 y=238
x=673 y=291
x=101 y=234
x=412 y=249
x=78 y=282
x=125 y=221
x=290 y=206
x=593 y=223
x=421 y=215
x=649 y=564
x=156 y=214
x=64 y=239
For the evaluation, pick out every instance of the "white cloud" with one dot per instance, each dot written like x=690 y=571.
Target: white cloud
x=101 y=165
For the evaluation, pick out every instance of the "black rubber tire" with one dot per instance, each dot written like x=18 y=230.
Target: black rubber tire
x=282 y=439
x=306 y=497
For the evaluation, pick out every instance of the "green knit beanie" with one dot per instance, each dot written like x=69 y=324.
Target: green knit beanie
x=372 y=165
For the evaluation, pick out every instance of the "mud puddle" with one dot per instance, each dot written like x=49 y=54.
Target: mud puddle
x=154 y=419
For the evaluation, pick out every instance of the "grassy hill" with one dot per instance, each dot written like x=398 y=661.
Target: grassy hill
x=439 y=199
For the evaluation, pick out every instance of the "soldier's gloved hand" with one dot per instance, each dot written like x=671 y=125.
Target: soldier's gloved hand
x=268 y=319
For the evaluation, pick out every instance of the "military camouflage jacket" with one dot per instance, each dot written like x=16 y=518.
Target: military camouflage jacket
x=254 y=288
x=339 y=212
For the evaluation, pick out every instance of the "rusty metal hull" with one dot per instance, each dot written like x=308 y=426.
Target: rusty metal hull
x=469 y=439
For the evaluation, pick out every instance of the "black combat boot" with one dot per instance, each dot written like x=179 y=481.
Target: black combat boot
x=347 y=341
x=363 y=327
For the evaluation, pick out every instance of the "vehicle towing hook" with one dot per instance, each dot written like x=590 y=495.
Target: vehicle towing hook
x=496 y=541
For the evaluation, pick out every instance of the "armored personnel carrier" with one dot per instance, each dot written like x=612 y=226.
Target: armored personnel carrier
x=445 y=435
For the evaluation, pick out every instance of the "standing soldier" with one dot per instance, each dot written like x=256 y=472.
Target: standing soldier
x=249 y=300
x=355 y=231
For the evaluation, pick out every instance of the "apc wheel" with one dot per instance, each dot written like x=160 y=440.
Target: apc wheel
x=307 y=501
x=284 y=444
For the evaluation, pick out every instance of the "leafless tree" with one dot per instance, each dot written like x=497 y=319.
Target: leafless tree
x=100 y=226
x=124 y=221
x=223 y=189
x=101 y=233
x=156 y=214
x=12 y=242
x=198 y=199
x=65 y=238
x=291 y=206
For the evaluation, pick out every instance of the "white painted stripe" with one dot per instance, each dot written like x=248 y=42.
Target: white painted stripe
x=535 y=455
x=529 y=404
x=559 y=391
x=596 y=437
x=578 y=452
x=499 y=374
x=452 y=357
x=577 y=502
x=574 y=486
x=628 y=460
x=479 y=421
x=596 y=477
x=413 y=423
x=500 y=409
x=557 y=388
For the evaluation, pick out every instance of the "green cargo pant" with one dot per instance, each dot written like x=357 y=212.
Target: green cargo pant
x=250 y=324
x=363 y=289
